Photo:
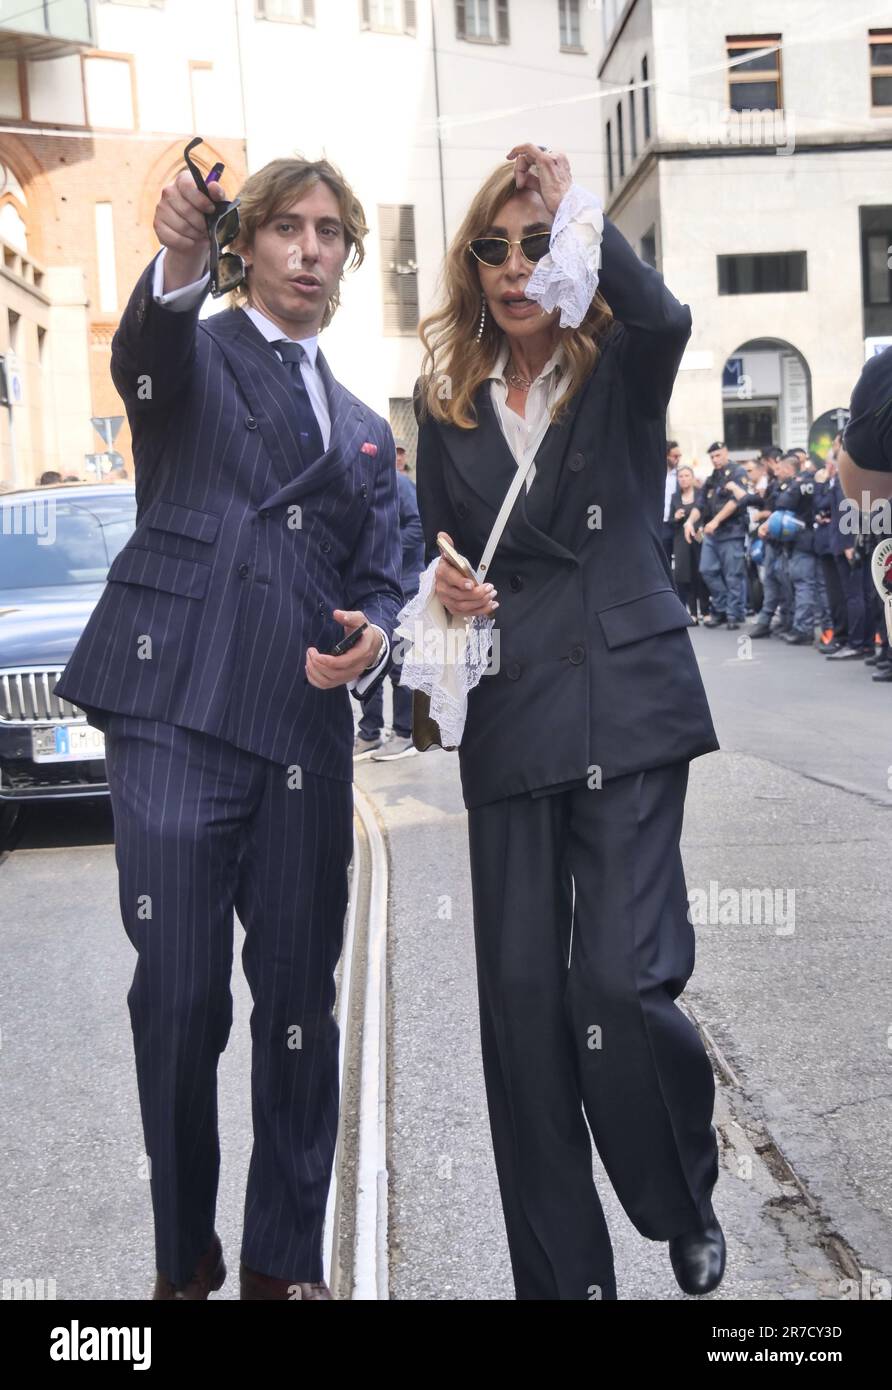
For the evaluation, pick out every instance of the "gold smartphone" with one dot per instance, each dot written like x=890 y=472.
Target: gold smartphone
x=451 y=555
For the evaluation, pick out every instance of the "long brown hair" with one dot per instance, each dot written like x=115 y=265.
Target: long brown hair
x=454 y=363
x=273 y=189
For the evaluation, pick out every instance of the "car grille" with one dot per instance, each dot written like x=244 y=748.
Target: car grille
x=26 y=697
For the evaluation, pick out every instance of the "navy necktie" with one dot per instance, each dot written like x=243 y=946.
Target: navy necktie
x=307 y=425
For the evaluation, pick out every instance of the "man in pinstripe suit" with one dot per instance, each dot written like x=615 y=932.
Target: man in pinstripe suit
x=267 y=526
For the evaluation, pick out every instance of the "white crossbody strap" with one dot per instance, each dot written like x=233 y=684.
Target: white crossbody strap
x=495 y=534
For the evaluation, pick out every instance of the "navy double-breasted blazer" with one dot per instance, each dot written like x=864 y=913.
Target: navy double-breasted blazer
x=240 y=553
x=594 y=672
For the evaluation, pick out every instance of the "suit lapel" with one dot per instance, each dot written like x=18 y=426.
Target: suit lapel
x=484 y=461
x=266 y=386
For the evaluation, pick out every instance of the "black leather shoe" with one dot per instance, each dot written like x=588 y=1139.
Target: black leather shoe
x=760 y=630
x=884 y=675
x=847 y=654
x=210 y=1271
x=798 y=639
x=698 y=1258
x=714 y=621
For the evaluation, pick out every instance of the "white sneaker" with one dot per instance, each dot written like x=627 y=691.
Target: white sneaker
x=396 y=747
x=364 y=747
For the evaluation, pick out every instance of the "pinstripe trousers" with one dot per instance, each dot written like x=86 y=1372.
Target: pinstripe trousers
x=202 y=828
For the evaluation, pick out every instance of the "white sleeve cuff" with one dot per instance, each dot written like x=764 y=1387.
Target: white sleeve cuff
x=361 y=682
x=567 y=278
x=182 y=299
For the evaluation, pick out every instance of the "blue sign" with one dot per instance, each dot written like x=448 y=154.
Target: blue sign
x=733 y=373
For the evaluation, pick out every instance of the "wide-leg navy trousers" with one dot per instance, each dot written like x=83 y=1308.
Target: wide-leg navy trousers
x=583 y=943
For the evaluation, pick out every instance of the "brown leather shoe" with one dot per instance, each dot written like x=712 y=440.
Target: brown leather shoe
x=209 y=1274
x=264 y=1286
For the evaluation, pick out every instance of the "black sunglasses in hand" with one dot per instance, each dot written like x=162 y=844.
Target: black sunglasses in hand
x=227 y=270
x=495 y=250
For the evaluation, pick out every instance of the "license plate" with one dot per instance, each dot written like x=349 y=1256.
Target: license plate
x=67 y=743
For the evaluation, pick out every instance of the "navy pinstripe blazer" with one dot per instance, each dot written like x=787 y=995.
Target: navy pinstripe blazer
x=240 y=553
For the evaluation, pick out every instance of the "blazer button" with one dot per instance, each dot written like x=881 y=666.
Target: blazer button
x=577 y=463
x=244 y=570
x=322 y=610
x=513 y=671
x=462 y=509
x=326 y=546
x=577 y=655
x=250 y=422
x=364 y=490
x=515 y=582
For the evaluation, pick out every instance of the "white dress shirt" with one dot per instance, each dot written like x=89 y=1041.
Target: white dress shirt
x=524 y=433
x=669 y=492
x=186 y=298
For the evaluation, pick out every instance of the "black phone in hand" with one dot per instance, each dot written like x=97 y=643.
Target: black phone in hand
x=347 y=642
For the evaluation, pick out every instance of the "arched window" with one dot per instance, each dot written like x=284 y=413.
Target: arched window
x=13 y=208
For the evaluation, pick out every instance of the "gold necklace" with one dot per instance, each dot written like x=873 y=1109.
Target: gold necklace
x=520 y=383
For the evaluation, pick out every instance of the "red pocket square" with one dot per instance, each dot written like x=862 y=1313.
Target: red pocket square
x=369 y=448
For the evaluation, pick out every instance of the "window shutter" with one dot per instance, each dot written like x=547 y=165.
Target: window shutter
x=365 y=19
x=409 y=16
x=309 y=15
x=461 y=27
x=399 y=272
x=504 y=36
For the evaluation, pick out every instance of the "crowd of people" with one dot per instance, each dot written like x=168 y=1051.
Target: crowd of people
x=774 y=539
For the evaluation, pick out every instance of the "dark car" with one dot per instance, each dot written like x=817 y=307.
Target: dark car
x=56 y=544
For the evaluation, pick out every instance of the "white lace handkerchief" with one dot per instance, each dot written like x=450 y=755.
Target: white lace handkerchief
x=567 y=277
x=445 y=654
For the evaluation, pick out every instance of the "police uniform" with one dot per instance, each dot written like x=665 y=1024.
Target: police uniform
x=722 y=555
x=797 y=495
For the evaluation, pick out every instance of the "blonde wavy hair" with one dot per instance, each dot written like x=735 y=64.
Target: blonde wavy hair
x=452 y=352
x=273 y=189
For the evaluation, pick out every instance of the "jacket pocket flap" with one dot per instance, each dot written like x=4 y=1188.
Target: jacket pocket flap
x=646 y=616
x=184 y=521
x=136 y=565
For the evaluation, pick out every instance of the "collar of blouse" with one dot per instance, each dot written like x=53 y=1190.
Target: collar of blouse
x=555 y=364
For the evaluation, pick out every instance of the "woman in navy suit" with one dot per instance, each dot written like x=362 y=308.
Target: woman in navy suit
x=555 y=344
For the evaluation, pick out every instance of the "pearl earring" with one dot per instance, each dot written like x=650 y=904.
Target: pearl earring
x=482 y=316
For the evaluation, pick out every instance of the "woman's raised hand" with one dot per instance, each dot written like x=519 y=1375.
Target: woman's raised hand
x=552 y=178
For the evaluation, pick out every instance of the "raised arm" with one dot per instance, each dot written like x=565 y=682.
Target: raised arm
x=656 y=326
x=153 y=349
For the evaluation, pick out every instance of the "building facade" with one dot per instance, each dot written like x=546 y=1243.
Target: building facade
x=748 y=155
x=97 y=100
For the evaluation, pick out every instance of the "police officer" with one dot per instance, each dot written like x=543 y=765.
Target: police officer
x=834 y=615
x=724 y=532
x=775 y=584
x=796 y=494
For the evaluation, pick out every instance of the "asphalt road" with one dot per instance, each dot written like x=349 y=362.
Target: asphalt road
x=796 y=806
